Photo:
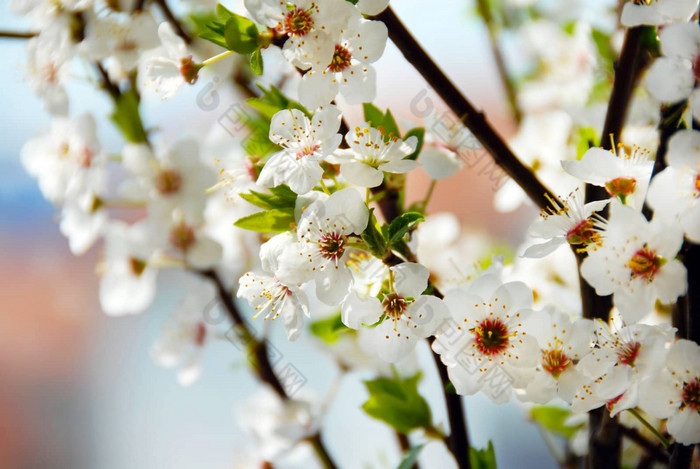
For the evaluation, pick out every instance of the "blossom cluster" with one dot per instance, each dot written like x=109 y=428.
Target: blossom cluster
x=331 y=235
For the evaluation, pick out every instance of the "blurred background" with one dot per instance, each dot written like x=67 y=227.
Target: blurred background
x=79 y=390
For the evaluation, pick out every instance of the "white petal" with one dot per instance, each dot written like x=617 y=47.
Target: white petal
x=357 y=311
x=358 y=84
x=205 y=253
x=361 y=174
x=317 y=89
x=410 y=279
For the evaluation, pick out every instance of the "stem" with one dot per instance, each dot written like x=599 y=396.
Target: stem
x=458 y=441
x=264 y=368
x=485 y=12
x=431 y=188
x=321 y=451
x=605 y=445
x=216 y=58
x=650 y=427
x=405 y=445
x=474 y=120
x=17 y=35
x=627 y=70
x=173 y=21
x=323 y=186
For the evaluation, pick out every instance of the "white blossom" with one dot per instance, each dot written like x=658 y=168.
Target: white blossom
x=675 y=393
x=306 y=143
x=674 y=193
x=371 y=154
x=636 y=263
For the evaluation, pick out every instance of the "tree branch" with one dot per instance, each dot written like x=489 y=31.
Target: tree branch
x=656 y=452
x=263 y=367
x=509 y=88
x=17 y=35
x=174 y=21
x=474 y=120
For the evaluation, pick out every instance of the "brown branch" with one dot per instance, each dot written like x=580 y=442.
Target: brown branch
x=263 y=367
x=17 y=35
x=474 y=120
x=508 y=86
x=655 y=451
x=605 y=443
x=173 y=21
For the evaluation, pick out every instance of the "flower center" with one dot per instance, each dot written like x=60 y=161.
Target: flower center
x=583 y=233
x=491 y=336
x=182 y=236
x=621 y=187
x=137 y=266
x=697 y=185
x=307 y=151
x=645 y=263
x=332 y=245
x=297 y=22
x=691 y=395
x=555 y=362
x=341 y=59
x=394 y=305
x=168 y=181
x=627 y=353
x=189 y=70
x=200 y=334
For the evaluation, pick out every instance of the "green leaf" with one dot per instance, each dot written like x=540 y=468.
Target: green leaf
x=552 y=418
x=411 y=457
x=272 y=101
x=373 y=115
x=276 y=220
x=241 y=34
x=279 y=197
x=585 y=138
x=396 y=402
x=483 y=458
x=224 y=13
x=256 y=61
x=403 y=224
x=373 y=237
x=419 y=133
x=329 y=329
x=389 y=125
x=127 y=118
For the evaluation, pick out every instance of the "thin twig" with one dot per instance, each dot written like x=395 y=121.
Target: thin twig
x=17 y=35
x=263 y=366
x=173 y=21
x=474 y=120
x=458 y=440
x=486 y=14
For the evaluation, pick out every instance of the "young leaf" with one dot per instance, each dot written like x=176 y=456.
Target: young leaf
x=396 y=402
x=256 y=61
x=389 y=125
x=241 y=34
x=276 y=220
x=224 y=13
x=411 y=457
x=483 y=458
x=373 y=237
x=272 y=101
x=373 y=115
x=419 y=133
x=278 y=198
x=403 y=224
x=552 y=418
x=329 y=329
x=126 y=116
